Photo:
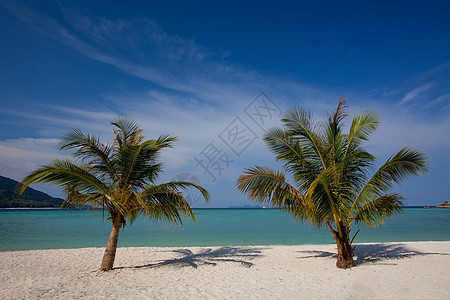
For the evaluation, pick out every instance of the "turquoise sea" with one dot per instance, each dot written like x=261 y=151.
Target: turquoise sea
x=50 y=229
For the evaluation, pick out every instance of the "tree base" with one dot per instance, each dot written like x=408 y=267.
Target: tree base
x=345 y=264
x=345 y=257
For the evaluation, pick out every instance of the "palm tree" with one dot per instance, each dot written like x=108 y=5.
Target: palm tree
x=332 y=183
x=118 y=177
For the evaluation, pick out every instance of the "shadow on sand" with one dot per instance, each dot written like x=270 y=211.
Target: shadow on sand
x=207 y=256
x=375 y=253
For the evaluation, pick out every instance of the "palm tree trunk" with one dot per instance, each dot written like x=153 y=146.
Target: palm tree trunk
x=345 y=254
x=110 y=251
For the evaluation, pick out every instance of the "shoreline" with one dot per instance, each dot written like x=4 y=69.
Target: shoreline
x=203 y=208
x=219 y=246
x=394 y=270
x=30 y=208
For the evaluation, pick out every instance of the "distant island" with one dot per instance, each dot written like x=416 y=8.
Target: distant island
x=442 y=205
x=251 y=207
x=245 y=206
x=31 y=198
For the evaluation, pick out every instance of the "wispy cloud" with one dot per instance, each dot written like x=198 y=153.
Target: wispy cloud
x=436 y=71
x=20 y=156
x=411 y=95
x=442 y=98
x=53 y=121
x=142 y=49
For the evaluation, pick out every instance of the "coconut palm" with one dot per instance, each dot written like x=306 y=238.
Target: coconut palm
x=331 y=183
x=118 y=177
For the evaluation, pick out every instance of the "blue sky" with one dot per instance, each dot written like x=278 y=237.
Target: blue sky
x=196 y=69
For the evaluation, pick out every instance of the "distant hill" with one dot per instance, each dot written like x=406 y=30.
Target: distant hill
x=31 y=198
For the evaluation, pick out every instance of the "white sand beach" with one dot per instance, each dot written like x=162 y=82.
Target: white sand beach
x=413 y=270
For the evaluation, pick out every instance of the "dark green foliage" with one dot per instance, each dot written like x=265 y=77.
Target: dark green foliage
x=31 y=198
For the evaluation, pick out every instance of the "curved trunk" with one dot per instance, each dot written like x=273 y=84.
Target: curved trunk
x=110 y=251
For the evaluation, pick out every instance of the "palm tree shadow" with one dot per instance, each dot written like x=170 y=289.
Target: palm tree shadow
x=317 y=253
x=375 y=253
x=206 y=256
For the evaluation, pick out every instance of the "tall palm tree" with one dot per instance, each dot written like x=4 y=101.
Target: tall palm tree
x=118 y=177
x=332 y=183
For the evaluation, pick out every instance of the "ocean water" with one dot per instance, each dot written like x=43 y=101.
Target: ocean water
x=52 y=229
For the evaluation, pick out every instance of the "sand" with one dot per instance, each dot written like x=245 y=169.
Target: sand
x=415 y=270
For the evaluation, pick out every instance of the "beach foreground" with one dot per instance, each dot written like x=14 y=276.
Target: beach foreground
x=413 y=270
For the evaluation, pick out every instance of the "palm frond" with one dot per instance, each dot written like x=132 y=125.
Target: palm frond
x=327 y=195
x=299 y=123
x=165 y=141
x=363 y=125
x=296 y=161
x=180 y=186
x=77 y=200
x=66 y=173
x=138 y=164
x=408 y=161
x=128 y=132
x=128 y=162
x=334 y=126
x=166 y=204
x=373 y=213
x=90 y=150
x=266 y=186
x=339 y=114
